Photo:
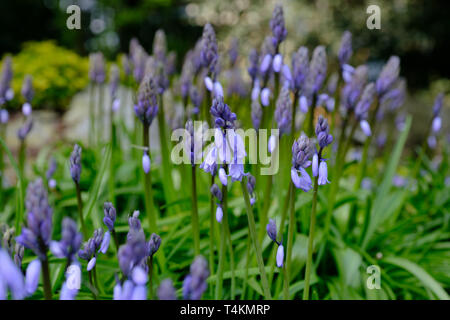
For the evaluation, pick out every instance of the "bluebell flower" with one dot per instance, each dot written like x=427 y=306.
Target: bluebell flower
x=279 y=31
x=70 y=241
x=283 y=111
x=256 y=114
x=300 y=67
x=4 y=116
x=5 y=81
x=346 y=50
x=72 y=284
x=354 y=88
x=280 y=256
x=302 y=151
x=209 y=52
x=109 y=215
x=97 y=67
x=146 y=108
x=265 y=97
x=271 y=229
x=388 y=75
x=91 y=248
x=75 y=163
x=323 y=173
x=317 y=71
x=27 y=93
x=36 y=235
x=166 y=291
x=32 y=276
x=323 y=132
x=437 y=106
x=251 y=184
x=253 y=59
x=195 y=283
x=315 y=165
x=153 y=244
x=10 y=278
x=24 y=130
x=224 y=118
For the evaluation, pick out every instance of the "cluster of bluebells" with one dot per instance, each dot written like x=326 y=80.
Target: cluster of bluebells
x=271 y=229
x=195 y=283
x=217 y=194
x=283 y=111
x=319 y=165
x=302 y=151
x=98 y=243
x=363 y=106
x=109 y=216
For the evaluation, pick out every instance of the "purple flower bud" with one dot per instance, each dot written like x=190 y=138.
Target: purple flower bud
x=218 y=90
x=32 y=276
x=353 y=89
x=209 y=52
x=36 y=235
x=209 y=84
x=91 y=264
x=304 y=106
x=166 y=291
x=253 y=59
x=346 y=50
x=224 y=118
x=283 y=111
x=280 y=256
x=10 y=277
x=223 y=176
x=219 y=214
x=277 y=62
x=153 y=244
x=110 y=215
x=323 y=132
x=256 y=114
x=139 y=276
x=23 y=132
x=363 y=106
x=300 y=67
x=432 y=142
x=323 y=173
x=271 y=145
x=105 y=242
x=4 y=116
x=26 y=109
x=272 y=230
x=265 y=64
x=75 y=163
x=146 y=162
x=365 y=127
x=317 y=71
x=436 y=125
x=70 y=241
x=438 y=102
x=388 y=75
x=195 y=283
x=302 y=151
x=146 y=108
x=265 y=97
x=315 y=165
x=279 y=31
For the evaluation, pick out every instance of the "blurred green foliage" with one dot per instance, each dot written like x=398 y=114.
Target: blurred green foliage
x=57 y=74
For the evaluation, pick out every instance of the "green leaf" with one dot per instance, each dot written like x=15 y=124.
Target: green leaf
x=378 y=207
x=427 y=280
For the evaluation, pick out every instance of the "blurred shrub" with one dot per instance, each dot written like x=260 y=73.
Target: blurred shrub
x=57 y=74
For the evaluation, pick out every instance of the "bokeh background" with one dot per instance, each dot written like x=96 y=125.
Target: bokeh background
x=415 y=30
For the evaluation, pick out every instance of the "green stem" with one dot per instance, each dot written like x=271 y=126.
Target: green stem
x=211 y=235
x=116 y=240
x=80 y=211
x=112 y=159
x=291 y=231
x=150 y=277
x=100 y=113
x=230 y=248
x=247 y=263
x=219 y=278
x=285 y=284
x=149 y=205
x=91 y=115
x=194 y=213
x=256 y=245
x=22 y=149
x=310 y=241
x=46 y=279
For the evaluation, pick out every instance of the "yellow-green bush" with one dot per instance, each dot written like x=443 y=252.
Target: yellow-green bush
x=58 y=74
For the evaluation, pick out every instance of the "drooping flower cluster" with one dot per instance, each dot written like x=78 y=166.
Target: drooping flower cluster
x=302 y=151
x=283 y=111
x=279 y=31
x=388 y=76
x=317 y=72
x=109 y=215
x=216 y=193
x=271 y=229
x=209 y=51
x=363 y=106
x=346 y=49
x=319 y=165
x=195 y=283
x=354 y=88
x=251 y=184
x=98 y=243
